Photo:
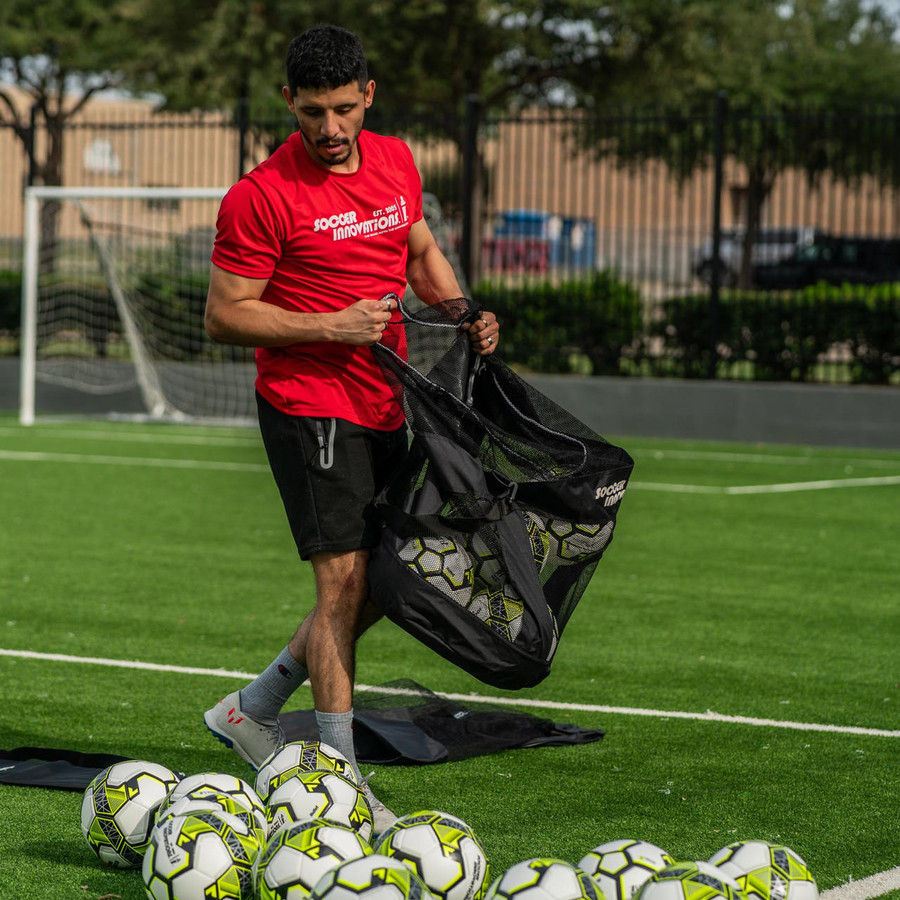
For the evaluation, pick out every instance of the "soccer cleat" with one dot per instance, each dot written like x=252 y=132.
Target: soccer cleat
x=382 y=817
x=248 y=738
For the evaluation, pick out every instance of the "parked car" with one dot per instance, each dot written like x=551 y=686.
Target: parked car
x=772 y=245
x=834 y=260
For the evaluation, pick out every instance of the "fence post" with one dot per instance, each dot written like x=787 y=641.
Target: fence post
x=243 y=124
x=468 y=251
x=715 y=284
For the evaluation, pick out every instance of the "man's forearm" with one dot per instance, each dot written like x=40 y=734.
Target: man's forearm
x=254 y=323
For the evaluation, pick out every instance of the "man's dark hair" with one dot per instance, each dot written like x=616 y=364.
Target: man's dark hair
x=325 y=56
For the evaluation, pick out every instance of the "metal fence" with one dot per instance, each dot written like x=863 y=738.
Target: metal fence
x=596 y=237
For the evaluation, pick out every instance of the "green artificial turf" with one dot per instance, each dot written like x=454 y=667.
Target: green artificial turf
x=168 y=545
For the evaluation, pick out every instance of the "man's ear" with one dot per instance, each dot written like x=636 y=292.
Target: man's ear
x=369 y=93
x=288 y=97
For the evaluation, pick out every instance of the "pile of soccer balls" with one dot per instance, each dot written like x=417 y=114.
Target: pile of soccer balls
x=305 y=831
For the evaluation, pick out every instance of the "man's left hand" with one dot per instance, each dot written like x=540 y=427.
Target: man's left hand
x=484 y=333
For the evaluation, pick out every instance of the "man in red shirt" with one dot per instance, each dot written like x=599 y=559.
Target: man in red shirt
x=308 y=245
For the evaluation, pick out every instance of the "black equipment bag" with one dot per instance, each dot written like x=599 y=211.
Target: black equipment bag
x=498 y=518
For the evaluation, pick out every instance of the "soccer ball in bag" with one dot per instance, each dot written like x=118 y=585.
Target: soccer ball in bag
x=212 y=801
x=690 y=881
x=767 y=871
x=118 y=810
x=501 y=608
x=297 y=757
x=442 y=850
x=571 y=542
x=539 y=537
x=620 y=867
x=204 y=783
x=443 y=563
x=298 y=855
x=208 y=854
x=487 y=569
x=320 y=795
x=544 y=879
x=373 y=877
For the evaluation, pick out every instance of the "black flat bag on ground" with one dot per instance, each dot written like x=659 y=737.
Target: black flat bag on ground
x=496 y=521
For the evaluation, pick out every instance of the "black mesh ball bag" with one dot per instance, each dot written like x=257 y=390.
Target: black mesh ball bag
x=496 y=521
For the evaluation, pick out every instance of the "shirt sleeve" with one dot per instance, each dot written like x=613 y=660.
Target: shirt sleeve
x=248 y=234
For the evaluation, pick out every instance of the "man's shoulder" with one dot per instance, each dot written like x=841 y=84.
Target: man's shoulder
x=384 y=144
x=272 y=181
x=279 y=167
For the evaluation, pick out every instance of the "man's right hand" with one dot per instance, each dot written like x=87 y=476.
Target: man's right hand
x=364 y=322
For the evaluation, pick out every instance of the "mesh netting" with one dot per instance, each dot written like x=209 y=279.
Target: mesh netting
x=498 y=519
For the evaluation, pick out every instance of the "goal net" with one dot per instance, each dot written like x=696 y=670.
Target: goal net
x=114 y=285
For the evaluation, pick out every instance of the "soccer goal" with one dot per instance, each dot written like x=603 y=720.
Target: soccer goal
x=114 y=289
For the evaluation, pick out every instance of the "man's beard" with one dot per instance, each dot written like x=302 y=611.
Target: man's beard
x=335 y=160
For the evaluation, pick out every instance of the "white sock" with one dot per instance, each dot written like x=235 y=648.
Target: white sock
x=336 y=730
x=265 y=696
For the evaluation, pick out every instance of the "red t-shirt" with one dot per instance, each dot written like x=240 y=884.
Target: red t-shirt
x=324 y=240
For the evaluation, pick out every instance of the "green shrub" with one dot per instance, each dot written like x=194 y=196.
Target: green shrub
x=785 y=335
x=590 y=326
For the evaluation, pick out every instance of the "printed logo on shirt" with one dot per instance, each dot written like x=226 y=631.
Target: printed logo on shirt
x=346 y=225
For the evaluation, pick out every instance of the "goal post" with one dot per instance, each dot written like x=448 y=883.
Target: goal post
x=114 y=286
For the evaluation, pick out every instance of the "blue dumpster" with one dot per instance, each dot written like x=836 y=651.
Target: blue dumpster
x=571 y=241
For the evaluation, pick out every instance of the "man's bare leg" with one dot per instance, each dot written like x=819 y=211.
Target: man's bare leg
x=327 y=640
x=329 y=632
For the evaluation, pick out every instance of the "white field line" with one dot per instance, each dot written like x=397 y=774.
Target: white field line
x=775 y=459
x=785 y=488
x=865 y=888
x=167 y=436
x=163 y=463
x=155 y=462
x=708 y=716
x=143 y=437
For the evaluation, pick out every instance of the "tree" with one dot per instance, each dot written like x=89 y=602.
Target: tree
x=780 y=64
x=60 y=52
x=426 y=57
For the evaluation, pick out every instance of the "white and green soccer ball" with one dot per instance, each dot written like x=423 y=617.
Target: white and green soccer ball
x=544 y=878
x=571 y=542
x=118 y=810
x=296 y=757
x=201 y=856
x=767 y=871
x=539 y=538
x=204 y=784
x=299 y=855
x=698 y=880
x=487 y=570
x=442 y=850
x=320 y=795
x=213 y=801
x=373 y=877
x=442 y=562
x=621 y=867
x=501 y=608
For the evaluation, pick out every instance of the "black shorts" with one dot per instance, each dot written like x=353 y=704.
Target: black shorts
x=328 y=471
